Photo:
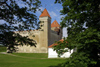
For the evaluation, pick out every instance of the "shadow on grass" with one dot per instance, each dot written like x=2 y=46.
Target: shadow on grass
x=59 y=65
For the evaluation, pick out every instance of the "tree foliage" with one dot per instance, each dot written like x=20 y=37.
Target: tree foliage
x=18 y=15
x=15 y=11
x=82 y=17
x=60 y=48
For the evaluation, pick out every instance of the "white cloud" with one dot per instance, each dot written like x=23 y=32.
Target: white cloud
x=51 y=4
x=21 y=4
x=42 y=8
x=39 y=12
x=61 y=16
x=65 y=32
x=2 y=22
x=52 y=14
x=58 y=10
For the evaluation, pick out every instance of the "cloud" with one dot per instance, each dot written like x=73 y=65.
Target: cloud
x=42 y=8
x=39 y=11
x=21 y=4
x=2 y=22
x=52 y=14
x=51 y=4
x=65 y=32
x=58 y=10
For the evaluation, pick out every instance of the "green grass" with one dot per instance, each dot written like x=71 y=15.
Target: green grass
x=2 y=49
x=28 y=60
x=32 y=55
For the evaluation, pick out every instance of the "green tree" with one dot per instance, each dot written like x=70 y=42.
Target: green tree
x=82 y=17
x=18 y=15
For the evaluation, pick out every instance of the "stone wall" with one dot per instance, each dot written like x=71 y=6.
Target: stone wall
x=54 y=37
x=30 y=49
x=43 y=37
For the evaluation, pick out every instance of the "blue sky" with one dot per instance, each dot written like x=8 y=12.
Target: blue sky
x=54 y=11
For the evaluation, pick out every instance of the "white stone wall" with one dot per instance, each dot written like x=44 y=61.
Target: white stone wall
x=53 y=54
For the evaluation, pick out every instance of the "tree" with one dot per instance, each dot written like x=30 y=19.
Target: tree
x=18 y=15
x=82 y=17
x=60 y=49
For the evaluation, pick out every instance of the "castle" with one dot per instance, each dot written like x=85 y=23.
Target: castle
x=44 y=37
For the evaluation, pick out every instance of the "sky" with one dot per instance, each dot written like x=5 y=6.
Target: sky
x=54 y=11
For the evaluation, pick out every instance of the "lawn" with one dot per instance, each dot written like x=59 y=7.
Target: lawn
x=32 y=55
x=2 y=49
x=28 y=60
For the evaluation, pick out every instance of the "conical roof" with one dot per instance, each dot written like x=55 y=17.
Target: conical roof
x=55 y=24
x=45 y=13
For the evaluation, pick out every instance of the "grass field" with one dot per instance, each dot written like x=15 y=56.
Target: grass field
x=27 y=60
x=2 y=49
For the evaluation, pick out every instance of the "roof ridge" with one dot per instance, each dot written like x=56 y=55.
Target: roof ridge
x=45 y=13
x=54 y=44
x=55 y=24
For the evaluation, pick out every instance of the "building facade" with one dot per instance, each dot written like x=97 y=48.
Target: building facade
x=44 y=37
